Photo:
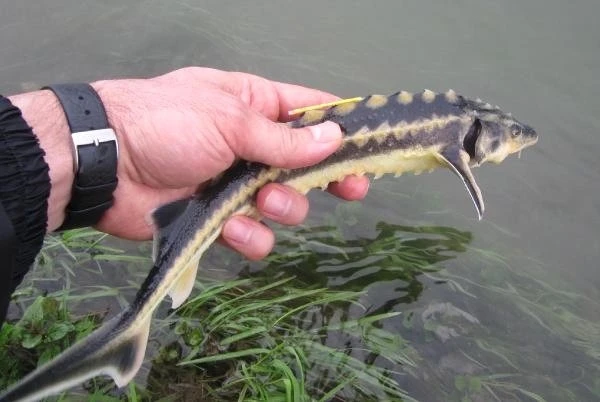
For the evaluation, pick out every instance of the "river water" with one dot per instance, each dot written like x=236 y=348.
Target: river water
x=539 y=59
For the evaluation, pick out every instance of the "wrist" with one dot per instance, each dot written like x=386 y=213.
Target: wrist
x=119 y=100
x=95 y=154
x=105 y=92
x=42 y=111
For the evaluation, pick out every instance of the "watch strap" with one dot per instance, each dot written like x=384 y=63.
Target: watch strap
x=82 y=105
x=95 y=153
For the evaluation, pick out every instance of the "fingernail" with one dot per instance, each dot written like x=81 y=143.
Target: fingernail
x=277 y=203
x=237 y=231
x=326 y=132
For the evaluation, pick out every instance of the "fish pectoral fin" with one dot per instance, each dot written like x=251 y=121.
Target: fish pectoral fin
x=116 y=349
x=458 y=161
x=185 y=283
x=163 y=218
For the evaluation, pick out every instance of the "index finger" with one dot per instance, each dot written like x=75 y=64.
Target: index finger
x=272 y=99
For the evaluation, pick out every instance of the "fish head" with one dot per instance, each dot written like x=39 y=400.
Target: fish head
x=494 y=135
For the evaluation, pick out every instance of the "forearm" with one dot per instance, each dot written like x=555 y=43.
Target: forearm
x=42 y=111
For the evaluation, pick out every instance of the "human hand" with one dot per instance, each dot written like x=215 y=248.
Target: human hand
x=184 y=128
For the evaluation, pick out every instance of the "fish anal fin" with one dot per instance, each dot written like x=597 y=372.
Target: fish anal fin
x=458 y=161
x=185 y=283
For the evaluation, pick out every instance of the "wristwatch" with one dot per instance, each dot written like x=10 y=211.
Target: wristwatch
x=95 y=154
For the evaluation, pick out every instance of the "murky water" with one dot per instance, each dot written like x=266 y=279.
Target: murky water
x=538 y=59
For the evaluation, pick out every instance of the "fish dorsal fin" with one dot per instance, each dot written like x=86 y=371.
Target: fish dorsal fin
x=116 y=349
x=458 y=161
x=163 y=218
x=166 y=214
x=185 y=283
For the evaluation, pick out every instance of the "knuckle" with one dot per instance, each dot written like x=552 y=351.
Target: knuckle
x=259 y=93
x=218 y=150
x=232 y=121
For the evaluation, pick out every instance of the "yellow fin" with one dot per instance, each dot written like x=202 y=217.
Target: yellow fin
x=324 y=105
x=185 y=283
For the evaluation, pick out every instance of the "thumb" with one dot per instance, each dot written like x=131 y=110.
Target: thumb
x=279 y=145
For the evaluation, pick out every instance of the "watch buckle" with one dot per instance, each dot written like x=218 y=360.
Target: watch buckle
x=91 y=137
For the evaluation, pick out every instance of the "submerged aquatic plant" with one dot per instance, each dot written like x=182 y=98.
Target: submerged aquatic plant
x=256 y=335
x=328 y=316
x=252 y=337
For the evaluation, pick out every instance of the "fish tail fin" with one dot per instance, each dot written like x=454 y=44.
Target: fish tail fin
x=126 y=358
x=116 y=349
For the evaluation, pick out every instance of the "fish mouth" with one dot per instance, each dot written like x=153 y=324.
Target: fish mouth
x=519 y=146
x=534 y=140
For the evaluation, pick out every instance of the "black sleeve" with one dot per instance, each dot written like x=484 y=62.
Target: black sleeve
x=8 y=241
x=24 y=192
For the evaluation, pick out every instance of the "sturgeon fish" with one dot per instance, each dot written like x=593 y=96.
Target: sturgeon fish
x=382 y=134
